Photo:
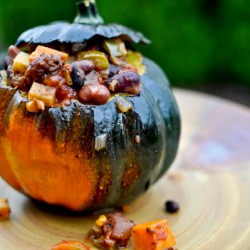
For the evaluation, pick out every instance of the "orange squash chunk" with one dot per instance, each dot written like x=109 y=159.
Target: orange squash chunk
x=154 y=235
x=47 y=51
x=44 y=93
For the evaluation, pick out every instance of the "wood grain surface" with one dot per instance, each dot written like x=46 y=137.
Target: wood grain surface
x=210 y=179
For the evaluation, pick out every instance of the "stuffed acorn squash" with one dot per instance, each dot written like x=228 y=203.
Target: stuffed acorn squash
x=85 y=121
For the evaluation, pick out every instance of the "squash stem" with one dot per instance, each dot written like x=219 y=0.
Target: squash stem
x=88 y=13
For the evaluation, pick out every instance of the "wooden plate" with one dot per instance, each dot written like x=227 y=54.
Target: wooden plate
x=210 y=179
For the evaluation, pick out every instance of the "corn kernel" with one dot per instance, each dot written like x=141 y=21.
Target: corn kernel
x=101 y=220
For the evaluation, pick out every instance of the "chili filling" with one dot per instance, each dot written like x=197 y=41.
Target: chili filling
x=91 y=73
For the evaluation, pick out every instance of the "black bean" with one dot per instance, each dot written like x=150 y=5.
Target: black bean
x=172 y=206
x=78 y=76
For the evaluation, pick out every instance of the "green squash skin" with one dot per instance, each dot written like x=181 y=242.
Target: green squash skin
x=164 y=98
x=125 y=168
x=63 y=32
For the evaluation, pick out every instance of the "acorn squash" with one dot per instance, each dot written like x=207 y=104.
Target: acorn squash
x=84 y=156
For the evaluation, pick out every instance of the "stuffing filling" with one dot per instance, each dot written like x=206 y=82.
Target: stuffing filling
x=93 y=73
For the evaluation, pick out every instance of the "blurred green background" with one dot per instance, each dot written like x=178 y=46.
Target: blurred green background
x=196 y=42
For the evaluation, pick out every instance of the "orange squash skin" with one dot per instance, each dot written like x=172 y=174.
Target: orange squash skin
x=6 y=95
x=49 y=172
